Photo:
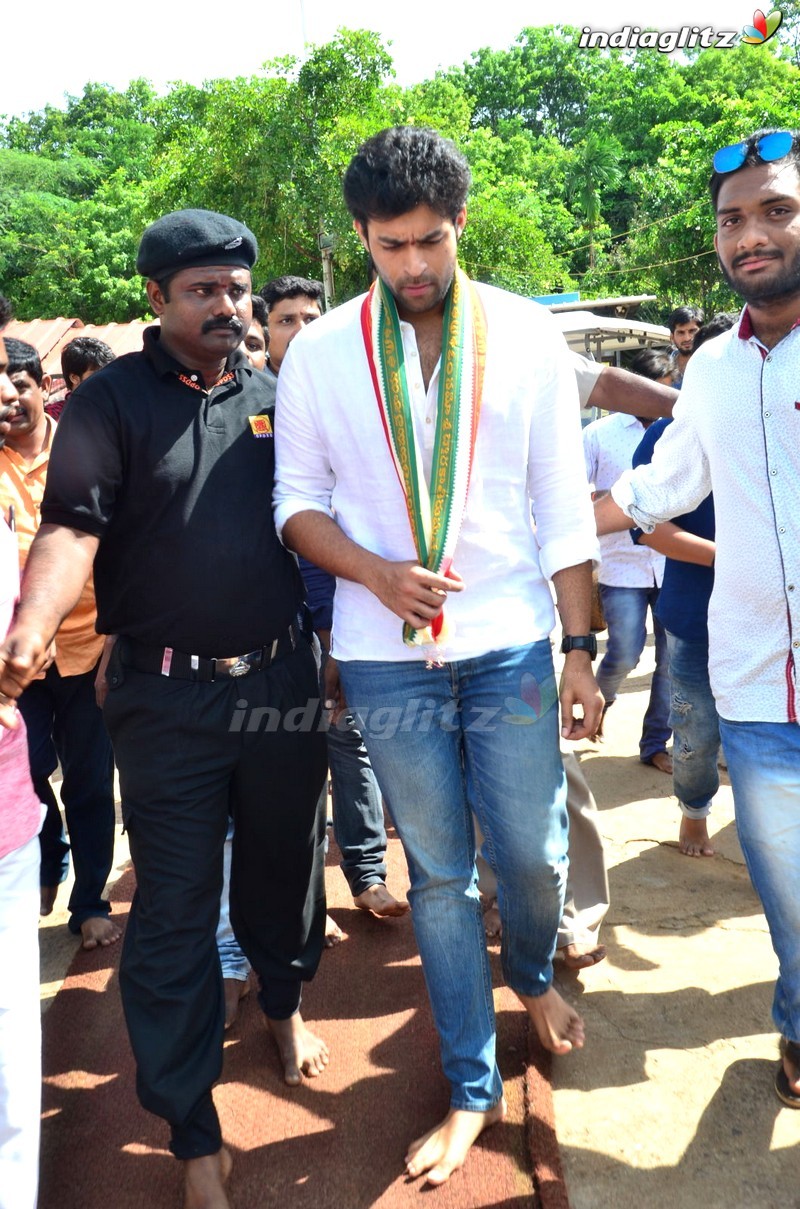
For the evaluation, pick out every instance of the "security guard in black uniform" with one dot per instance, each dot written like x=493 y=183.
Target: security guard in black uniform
x=162 y=467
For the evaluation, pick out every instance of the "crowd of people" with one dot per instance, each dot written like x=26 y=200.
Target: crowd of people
x=369 y=522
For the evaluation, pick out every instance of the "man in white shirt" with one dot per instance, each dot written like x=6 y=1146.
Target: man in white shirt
x=630 y=576
x=412 y=440
x=737 y=431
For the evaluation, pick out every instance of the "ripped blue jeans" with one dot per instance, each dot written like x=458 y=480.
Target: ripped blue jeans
x=695 y=727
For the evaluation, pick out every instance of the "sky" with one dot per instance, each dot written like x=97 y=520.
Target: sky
x=194 y=40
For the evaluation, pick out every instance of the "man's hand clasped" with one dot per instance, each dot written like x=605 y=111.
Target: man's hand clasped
x=413 y=593
x=23 y=655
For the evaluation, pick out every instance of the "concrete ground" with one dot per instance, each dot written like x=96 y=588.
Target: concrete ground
x=680 y=1052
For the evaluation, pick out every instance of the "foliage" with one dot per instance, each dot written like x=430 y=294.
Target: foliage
x=590 y=167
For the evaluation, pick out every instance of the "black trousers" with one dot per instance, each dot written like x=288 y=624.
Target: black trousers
x=188 y=755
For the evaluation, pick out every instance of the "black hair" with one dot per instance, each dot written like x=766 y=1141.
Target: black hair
x=289 y=286
x=649 y=363
x=685 y=314
x=752 y=158
x=82 y=353
x=715 y=327
x=23 y=359
x=6 y=311
x=402 y=168
x=259 y=310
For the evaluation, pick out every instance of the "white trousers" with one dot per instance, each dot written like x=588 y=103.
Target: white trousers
x=20 y=1028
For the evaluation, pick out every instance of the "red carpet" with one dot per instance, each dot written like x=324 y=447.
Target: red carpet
x=336 y=1142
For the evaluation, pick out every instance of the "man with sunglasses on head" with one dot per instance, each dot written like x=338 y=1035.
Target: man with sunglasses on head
x=737 y=432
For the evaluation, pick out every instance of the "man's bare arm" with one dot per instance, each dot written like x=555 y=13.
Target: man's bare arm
x=619 y=390
x=59 y=563
x=609 y=516
x=414 y=594
x=677 y=543
x=573 y=587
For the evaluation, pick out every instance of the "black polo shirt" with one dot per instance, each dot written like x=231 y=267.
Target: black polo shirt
x=177 y=484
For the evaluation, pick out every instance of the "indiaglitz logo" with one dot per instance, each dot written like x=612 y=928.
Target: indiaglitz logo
x=762 y=28
x=533 y=702
x=688 y=37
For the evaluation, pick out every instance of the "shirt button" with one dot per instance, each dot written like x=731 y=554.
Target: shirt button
x=796 y=643
x=413 y=352
x=781 y=530
x=768 y=358
x=773 y=472
x=193 y=377
x=428 y=420
x=767 y=414
x=791 y=587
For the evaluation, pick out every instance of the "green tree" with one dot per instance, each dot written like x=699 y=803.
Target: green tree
x=594 y=169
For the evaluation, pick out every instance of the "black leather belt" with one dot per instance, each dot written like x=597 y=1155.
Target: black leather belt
x=165 y=661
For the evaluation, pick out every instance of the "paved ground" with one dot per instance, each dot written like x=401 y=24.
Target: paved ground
x=680 y=1053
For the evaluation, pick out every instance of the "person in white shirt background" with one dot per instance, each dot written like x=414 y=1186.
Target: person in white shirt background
x=630 y=576
x=737 y=432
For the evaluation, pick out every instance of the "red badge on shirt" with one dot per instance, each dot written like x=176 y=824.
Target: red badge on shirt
x=260 y=426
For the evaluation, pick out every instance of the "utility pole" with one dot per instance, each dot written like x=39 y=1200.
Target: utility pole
x=326 y=243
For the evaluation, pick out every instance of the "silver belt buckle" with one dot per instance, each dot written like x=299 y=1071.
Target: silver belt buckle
x=240 y=668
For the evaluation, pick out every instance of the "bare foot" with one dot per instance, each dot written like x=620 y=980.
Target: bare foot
x=788 y=1088
x=235 y=990
x=580 y=957
x=47 y=899
x=378 y=901
x=99 y=932
x=662 y=760
x=559 y=1026
x=693 y=838
x=333 y=933
x=302 y=1053
x=205 y=1179
x=441 y=1151
x=492 y=923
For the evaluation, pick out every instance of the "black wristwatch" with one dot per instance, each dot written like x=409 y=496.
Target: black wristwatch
x=580 y=642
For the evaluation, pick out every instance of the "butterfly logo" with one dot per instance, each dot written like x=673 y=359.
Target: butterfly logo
x=762 y=28
x=532 y=703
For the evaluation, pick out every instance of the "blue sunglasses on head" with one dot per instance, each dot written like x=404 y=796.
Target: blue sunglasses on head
x=770 y=147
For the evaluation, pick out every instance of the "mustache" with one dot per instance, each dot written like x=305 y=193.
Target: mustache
x=226 y=325
x=745 y=256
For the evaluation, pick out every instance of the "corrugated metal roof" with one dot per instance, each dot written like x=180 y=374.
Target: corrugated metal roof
x=48 y=336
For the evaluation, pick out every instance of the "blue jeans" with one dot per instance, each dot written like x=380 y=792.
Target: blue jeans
x=357 y=808
x=479 y=735
x=65 y=724
x=625 y=611
x=764 y=767
x=231 y=958
x=695 y=727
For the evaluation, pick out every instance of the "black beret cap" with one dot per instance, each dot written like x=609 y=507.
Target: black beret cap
x=188 y=238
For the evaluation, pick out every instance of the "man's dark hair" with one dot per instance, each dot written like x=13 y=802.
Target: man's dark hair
x=82 y=353
x=649 y=363
x=752 y=158
x=23 y=359
x=289 y=286
x=259 y=310
x=685 y=314
x=715 y=327
x=402 y=168
x=6 y=311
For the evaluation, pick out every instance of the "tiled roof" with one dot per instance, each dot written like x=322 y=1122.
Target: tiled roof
x=48 y=336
